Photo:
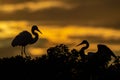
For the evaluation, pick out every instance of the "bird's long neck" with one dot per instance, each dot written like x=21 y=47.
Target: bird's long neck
x=85 y=47
x=82 y=51
x=36 y=36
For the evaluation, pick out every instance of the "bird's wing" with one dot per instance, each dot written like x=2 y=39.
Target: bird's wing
x=104 y=49
x=22 y=39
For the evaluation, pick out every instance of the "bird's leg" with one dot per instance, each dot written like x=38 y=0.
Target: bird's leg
x=22 y=51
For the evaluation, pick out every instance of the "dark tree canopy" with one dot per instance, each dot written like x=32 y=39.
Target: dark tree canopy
x=60 y=63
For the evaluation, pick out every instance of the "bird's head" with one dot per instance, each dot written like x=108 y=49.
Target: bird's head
x=34 y=27
x=83 y=42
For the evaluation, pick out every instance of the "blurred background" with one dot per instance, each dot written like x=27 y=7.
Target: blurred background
x=61 y=22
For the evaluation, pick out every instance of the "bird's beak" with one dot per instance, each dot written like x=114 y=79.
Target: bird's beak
x=39 y=31
x=80 y=44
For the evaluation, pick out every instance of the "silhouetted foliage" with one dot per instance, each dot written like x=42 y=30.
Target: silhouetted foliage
x=60 y=63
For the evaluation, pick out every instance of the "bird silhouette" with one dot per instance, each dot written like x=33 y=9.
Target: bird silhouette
x=104 y=49
x=24 y=38
x=102 y=52
x=82 y=50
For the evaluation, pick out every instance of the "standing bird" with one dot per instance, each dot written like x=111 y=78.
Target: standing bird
x=24 y=38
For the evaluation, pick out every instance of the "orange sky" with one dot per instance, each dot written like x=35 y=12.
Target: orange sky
x=57 y=35
x=60 y=21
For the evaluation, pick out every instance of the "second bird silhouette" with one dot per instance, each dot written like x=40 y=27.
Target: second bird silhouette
x=24 y=38
x=103 y=51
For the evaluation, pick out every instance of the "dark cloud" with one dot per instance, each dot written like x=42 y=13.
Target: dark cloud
x=89 y=2
x=5 y=42
x=9 y=51
x=92 y=13
x=97 y=39
x=15 y=1
x=6 y=50
x=41 y=43
x=86 y=2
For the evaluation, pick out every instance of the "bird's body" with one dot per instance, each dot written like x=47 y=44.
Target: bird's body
x=103 y=52
x=24 y=38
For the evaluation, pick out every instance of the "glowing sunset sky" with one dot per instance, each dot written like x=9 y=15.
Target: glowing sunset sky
x=61 y=21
